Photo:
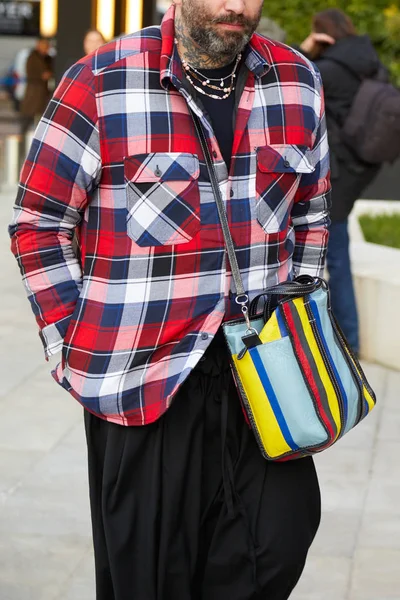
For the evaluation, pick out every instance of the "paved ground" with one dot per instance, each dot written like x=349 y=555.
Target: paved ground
x=45 y=546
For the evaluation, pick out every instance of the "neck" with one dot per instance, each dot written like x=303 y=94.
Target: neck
x=192 y=54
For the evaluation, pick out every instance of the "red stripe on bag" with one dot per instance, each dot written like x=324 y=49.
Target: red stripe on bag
x=307 y=369
x=291 y=456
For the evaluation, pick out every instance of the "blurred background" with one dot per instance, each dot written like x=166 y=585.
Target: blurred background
x=45 y=538
x=65 y=24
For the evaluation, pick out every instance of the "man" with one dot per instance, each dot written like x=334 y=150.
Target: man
x=183 y=504
x=18 y=71
x=38 y=73
x=344 y=59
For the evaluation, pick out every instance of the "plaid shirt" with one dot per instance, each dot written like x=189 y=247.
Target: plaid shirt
x=116 y=158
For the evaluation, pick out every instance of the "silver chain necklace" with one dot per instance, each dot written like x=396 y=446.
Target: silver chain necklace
x=192 y=72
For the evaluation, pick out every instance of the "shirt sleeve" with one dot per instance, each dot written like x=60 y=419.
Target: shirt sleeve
x=310 y=213
x=61 y=171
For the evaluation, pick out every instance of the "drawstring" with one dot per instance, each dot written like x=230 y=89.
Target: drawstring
x=230 y=493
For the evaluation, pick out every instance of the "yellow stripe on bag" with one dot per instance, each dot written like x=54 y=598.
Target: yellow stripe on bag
x=263 y=415
x=366 y=394
x=323 y=373
x=369 y=399
x=271 y=332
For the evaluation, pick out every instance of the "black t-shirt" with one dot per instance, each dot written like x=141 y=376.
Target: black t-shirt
x=221 y=111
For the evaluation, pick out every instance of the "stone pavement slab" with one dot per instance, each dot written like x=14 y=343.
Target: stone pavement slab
x=81 y=585
x=45 y=539
x=361 y=526
x=375 y=574
x=325 y=578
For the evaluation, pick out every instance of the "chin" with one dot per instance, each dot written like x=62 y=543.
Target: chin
x=231 y=49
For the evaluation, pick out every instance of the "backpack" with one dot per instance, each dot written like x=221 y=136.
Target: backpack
x=372 y=127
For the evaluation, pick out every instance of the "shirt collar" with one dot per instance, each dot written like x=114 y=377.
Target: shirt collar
x=255 y=54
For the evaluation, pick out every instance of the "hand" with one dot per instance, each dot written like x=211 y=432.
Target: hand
x=47 y=75
x=311 y=43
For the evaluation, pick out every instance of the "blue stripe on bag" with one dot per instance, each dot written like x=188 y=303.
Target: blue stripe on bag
x=315 y=312
x=281 y=323
x=272 y=398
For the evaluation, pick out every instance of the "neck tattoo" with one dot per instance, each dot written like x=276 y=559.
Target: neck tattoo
x=204 y=84
x=194 y=55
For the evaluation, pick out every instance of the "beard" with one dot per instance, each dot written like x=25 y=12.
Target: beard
x=203 y=29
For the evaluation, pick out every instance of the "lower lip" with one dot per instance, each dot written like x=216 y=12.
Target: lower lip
x=231 y=27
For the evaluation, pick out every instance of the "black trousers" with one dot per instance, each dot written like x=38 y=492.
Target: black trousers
x=187 y=508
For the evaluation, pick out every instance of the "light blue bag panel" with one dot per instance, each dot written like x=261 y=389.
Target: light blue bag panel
x=235 y=332
x=291 y=392
x=350 y=391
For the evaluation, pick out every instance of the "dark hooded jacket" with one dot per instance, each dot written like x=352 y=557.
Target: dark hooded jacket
x=342 y=66
x=37 y=93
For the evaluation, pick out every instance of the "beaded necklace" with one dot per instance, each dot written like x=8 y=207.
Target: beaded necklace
x=209 y=82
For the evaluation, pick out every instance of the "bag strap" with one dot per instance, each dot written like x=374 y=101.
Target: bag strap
x=300 y=287
x=241 y=297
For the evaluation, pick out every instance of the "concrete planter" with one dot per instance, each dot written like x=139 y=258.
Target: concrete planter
x=376 y=272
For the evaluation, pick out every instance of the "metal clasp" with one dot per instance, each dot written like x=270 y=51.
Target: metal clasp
x=243 y=300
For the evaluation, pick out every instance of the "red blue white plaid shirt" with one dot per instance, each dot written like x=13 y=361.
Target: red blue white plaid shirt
x=116 y=157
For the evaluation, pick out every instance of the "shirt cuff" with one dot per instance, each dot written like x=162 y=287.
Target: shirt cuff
x=52 y=337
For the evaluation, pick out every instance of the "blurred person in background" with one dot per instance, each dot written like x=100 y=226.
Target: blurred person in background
x=39 y=71
x=92 y=41
x=343 y=59
x=20 y=73
x=15 y=80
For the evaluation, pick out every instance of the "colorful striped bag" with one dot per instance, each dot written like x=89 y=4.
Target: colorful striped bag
x=301 y=386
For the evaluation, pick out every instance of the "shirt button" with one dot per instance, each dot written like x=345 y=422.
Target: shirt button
x=232 y=193
x=286 y=164
x=215 y=154
x=204 y=336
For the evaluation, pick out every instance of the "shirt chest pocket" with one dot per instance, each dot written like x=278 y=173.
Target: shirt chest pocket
x=163 y=199
x=279 y=169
